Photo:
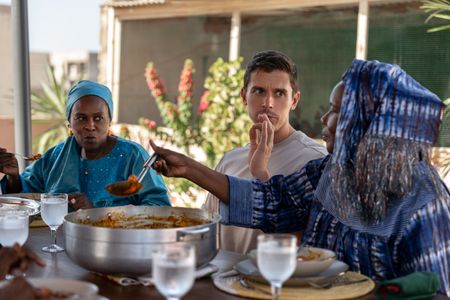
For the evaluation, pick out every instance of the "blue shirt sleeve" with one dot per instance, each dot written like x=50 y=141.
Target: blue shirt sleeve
x=281 y=204
x=240 y=208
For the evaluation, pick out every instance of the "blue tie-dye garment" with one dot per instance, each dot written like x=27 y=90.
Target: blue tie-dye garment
x=288 y=204
x=377 y=201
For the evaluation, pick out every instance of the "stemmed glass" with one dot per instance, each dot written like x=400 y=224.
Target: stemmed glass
x=174 y=269
x=54 y=208
x=13 y=227
x=276 y=259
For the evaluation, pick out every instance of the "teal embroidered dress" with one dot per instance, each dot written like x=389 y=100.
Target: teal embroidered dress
x=62 y=170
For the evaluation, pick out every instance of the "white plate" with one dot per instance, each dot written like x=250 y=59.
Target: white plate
x=16 y=203
x=84 y=290
x=248 y=269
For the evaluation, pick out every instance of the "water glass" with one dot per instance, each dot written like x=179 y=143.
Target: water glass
x=13 y=227
x=276 y=257
x=54 y=208
x=174 y=269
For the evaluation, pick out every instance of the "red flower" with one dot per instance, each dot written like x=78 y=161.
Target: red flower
x=204 y=104
x=153 y=81
x=150 y=123
x=186 y=83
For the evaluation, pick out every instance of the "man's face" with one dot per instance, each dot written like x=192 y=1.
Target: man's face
x=330 y=119
x=271 y=94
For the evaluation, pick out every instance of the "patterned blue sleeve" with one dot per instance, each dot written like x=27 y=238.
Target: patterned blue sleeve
x=279 y=205
x=239 y=210
x=425 y=244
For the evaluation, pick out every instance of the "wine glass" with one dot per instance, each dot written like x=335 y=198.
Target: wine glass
x=174 y=269
x=276 y=259
x=54 y=208
x=13 y=227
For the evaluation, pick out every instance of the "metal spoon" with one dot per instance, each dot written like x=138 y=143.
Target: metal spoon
x=133 y=184
x=330 y=283
x=30 y=158
x=247 y=285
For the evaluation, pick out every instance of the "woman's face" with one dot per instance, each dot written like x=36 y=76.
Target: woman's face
x=90 y=123
x=330 y=119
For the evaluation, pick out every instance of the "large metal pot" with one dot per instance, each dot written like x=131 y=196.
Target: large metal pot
x=129 y=251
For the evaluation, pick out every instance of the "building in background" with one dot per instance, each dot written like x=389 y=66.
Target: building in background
x=320 y=36
x=76 y=65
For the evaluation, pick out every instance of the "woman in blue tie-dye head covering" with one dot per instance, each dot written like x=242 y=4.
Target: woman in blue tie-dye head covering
x=376 y=201
x=90 y=159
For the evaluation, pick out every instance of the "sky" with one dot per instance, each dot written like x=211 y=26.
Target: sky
x=63 y=25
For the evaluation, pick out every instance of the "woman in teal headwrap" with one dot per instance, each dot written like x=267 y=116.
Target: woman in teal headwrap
x=88 y=160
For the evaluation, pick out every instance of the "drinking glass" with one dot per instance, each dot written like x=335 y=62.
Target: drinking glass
x=174 y=269
x=13 y=227
x=54 y=208
x=276 y=259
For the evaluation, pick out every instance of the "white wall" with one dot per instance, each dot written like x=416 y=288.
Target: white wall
x=6 y=93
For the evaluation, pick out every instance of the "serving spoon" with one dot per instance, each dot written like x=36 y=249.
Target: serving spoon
x=134 y=183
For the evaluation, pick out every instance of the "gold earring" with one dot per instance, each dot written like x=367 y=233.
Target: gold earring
x=109 y=132
x=70 y=130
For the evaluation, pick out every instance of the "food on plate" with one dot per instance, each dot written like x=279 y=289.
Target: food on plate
x=142 y=221
x=307 y=254
x=46 y=293
x=35 y=157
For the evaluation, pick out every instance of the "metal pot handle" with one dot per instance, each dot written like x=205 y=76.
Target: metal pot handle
x=192 y=234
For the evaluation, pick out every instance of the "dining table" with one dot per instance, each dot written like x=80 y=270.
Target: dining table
x=59 y=265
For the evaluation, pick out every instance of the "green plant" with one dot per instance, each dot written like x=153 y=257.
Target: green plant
x=439 y=9
x=221 y=123
x=176 y=115
x=50 y=107
x=224 y=122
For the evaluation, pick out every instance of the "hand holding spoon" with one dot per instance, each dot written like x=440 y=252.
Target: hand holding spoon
x=133 y=184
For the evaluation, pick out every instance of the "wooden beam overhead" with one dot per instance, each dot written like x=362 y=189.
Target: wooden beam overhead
x=183 y=8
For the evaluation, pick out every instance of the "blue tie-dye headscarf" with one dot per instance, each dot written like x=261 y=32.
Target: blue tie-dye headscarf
x=88 y=88
x=387 y=125
x=383 y=100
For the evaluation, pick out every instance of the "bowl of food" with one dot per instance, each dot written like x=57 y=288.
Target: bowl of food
x=59 y=288
x=310 y=260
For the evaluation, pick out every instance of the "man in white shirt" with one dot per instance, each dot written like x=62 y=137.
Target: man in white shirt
x=270 y=92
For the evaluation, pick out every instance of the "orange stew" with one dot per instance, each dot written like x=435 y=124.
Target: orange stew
x=125 y=188
x=46 y=293
x=142 y=221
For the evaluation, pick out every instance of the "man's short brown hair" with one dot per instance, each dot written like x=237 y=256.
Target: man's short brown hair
x=269 y=61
